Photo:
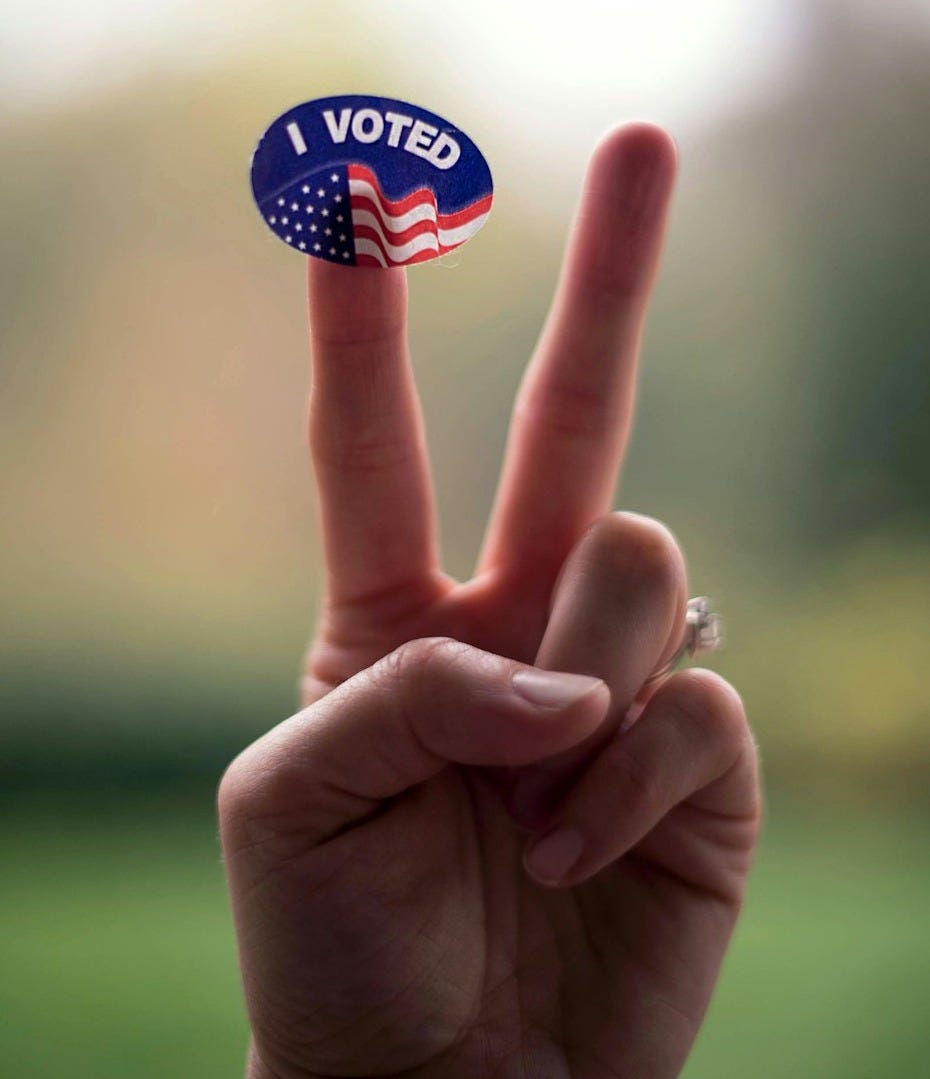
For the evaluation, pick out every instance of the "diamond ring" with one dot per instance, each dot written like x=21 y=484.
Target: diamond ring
x=703 y=633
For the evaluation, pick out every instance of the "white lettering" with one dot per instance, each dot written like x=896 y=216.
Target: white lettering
x=297 y=139
x=367 y=125
x=398 y=122
x=444 y=142
x=338 y=131
x=418 y=140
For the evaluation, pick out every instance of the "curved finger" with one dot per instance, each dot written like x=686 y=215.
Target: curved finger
x=367 y=438
x=572 y=416
x=692 y=742
x=432 y=702
x=617 y=613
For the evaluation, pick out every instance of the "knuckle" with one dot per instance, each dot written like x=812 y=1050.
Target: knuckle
x=708 y=702
x=569 y=408
x=227 y=792
x=415 y=679
x=715 y=712
x=640 y=786
x=238 y=790
x=378 y=454
x=418 y=661
x=261 y=796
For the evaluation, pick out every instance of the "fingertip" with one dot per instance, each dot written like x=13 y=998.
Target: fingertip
x=635 y=147
x=624 y=204
x=550 y=859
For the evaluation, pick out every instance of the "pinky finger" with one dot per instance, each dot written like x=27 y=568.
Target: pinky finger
x=690 y=755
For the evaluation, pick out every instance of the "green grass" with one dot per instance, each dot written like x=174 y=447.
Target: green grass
x=116 y=947
x=829 y=972
x=116 y=950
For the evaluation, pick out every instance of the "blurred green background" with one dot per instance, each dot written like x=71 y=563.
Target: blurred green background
x=161 y=568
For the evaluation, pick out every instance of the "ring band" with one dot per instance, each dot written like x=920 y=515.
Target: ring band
x=703 y=633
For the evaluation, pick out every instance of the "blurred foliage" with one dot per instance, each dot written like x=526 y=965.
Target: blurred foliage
x=161 y=564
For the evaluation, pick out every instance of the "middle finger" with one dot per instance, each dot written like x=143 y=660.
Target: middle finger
x=573 y=412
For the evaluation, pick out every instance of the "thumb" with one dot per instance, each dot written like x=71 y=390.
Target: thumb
x=429 y=703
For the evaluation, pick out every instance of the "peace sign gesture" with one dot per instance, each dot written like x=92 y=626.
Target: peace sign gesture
x=490 y=844
x=570 y=426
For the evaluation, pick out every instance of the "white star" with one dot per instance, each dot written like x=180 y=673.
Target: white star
x=321 y=191
x=326 y=213
x=339 y=218
x=342 y=237
x=288 y=239
x=335 y=177
x=345 y=254
x=298 y=227
x=284 y=220
x=328 y=232
x=316 y=247
x=313 y=228
x=294 y=207
x=305 y=189
x=302 y=246
x=309 y=209
x=332 y=251
x=338 y=198
x=272 y=219
x=280 y=202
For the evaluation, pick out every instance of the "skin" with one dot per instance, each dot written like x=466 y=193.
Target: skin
x=444 y=867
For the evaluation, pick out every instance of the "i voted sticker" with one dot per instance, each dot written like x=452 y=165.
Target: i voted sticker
x=368 y=181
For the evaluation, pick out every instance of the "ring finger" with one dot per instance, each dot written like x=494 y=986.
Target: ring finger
x=617 y=613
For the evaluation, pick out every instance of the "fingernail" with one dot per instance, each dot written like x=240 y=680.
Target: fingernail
x=552 y=689
x=633 y=713
x=550 y=858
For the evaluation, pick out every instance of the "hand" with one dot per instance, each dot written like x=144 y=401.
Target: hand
x=375 y=842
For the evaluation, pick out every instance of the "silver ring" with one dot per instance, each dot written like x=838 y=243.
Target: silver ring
x=703 y=633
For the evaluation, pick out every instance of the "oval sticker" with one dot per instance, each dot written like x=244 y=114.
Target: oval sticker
x=369 y=181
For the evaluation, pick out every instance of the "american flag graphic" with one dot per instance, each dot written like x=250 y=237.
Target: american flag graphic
x=313 y=215
x=343 y=215
x=398 y=232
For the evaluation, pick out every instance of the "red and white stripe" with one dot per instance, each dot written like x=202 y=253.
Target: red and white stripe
x=398 y=232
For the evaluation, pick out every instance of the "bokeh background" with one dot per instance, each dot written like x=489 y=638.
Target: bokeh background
x=161 y=568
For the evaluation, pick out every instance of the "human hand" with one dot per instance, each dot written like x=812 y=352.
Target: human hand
x=386 y=922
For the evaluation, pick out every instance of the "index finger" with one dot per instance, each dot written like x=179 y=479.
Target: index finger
x=367 y=437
